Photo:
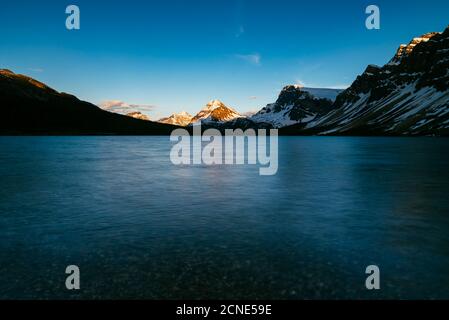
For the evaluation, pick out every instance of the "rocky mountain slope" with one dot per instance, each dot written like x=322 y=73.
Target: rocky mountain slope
x=31 y=107
x=407 y=96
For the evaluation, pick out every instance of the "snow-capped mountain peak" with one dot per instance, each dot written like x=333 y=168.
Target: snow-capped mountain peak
x=215 y=111
x=214 y=104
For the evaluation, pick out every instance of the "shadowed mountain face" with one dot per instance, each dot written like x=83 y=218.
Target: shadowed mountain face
x=408 y=96
x=30 y=107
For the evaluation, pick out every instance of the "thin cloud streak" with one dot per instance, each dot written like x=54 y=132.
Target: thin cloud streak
x=37 y=70
x=254 y=59
x=240 y=32
x=121 y=107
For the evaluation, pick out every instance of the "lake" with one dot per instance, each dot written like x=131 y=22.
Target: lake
x=140 y=227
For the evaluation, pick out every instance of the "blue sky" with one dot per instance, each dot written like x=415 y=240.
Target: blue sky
x=178 y=55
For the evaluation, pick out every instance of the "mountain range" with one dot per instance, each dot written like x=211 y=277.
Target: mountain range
x=408 y=96
x=214 y=112
x=293 y=105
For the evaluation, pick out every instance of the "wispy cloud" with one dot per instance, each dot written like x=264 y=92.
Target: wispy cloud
x=254 y=58
x=240 y=32
x=37 y=70
x=118 y=106
x=252 y=97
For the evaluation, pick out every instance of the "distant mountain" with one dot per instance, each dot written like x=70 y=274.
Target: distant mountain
x=323 y=93
x=180 y=119
x=407 y=96
x=31 y=107
x=216 y=115
x=138 y=115
x=296 y=104
x=215 y=112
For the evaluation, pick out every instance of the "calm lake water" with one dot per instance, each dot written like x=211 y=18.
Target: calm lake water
x=140 y=227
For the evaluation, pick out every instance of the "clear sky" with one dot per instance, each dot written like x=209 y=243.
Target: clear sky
x=177 y=55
